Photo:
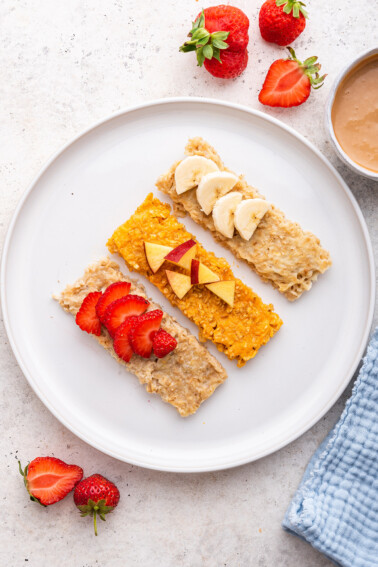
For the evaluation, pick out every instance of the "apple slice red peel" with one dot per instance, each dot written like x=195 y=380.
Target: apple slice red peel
x=183 y=254
x=201 y=274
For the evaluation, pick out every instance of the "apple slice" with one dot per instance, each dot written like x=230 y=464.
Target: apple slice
x=180 y=283
x=155 y=254
x=200 y=274
x=224 y=289
x=183 y=254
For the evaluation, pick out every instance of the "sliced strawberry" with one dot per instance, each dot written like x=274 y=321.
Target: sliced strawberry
x=288 y=82
x=121 y=342
x=49 y=480
x=142 y=335
x=163 y=343
x=285 y=85
x=112 y=293
x=117 y=311
x=86 y=317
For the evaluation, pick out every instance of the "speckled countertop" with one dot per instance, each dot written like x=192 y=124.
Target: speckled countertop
x=64 y=65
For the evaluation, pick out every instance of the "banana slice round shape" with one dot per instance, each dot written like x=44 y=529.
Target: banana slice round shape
x=223 y=213
x=213 y=186
x=248 y=214
x=190 y=171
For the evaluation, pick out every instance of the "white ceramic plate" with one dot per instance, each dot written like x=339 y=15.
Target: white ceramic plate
x=93 y=185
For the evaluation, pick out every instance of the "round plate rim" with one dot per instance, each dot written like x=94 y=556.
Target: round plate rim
x=226 y=464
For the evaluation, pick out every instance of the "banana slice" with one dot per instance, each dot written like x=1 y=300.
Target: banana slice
x=213 y=186
x=190 y=171
x=248 y=214
x=223 y=213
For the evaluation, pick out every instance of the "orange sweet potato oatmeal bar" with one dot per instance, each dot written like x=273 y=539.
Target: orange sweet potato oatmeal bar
x=238 y=331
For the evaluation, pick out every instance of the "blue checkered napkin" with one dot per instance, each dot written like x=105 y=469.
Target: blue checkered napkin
x=336 y=505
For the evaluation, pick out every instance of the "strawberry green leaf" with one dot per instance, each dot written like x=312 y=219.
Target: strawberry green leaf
x=219 y=44
x=190 y=42
x=200 y=56
x=199 y=22
x=202 y=41
x=310 y=61
x=187 y=47
x=318 y=81
x=221 y=35
x=200 y=34
x=293 y=5
x=208 y=51
x=216 y=54
x=24 y=472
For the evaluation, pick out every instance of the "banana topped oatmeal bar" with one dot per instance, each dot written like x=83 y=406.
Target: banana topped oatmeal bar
x=184 y=378
x=279 y=251
x=238 y=331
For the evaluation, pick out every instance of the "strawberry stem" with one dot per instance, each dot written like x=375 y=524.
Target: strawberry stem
x=206 y=45
x=93 y=508
x=95 y=519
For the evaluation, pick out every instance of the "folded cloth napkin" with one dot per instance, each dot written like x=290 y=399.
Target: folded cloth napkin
x=336 y=505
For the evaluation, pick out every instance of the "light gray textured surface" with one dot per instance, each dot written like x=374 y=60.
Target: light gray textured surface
x=64 y=65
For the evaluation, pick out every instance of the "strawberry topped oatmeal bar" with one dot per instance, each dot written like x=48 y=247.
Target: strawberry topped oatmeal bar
x=174 y=365
x=226 y=311
x=241 y=219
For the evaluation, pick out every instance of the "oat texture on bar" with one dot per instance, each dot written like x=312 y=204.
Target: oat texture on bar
x=238 y=331
x=184 y=378
x=280 y=252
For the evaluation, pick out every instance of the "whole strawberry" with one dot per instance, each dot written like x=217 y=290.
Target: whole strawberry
x=289 y=81
x=229 y=19
x=96 y=495
x=282 y=21
x=49 y=480
x=212 y=27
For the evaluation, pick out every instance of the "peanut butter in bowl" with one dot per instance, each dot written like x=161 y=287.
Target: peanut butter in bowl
x=354 y=115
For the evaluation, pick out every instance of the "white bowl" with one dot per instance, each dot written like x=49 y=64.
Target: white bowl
x=328 y=121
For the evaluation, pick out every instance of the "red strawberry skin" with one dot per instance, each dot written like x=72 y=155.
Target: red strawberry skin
x=233 y=64
x=278 y=27
x=121 y=342
x=285 y=85
x=141 y=336
x=48 y=480
x=112 y=293
x=87 y=317
x=96 y=487
x=231 y=19
x=122 y=308
x=163 y=343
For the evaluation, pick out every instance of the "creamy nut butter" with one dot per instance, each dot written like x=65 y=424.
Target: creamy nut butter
x=355 y=114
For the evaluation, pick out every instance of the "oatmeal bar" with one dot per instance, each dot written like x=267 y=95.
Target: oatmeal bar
x=184 y=378
x=280 y=252
x=238 y=331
